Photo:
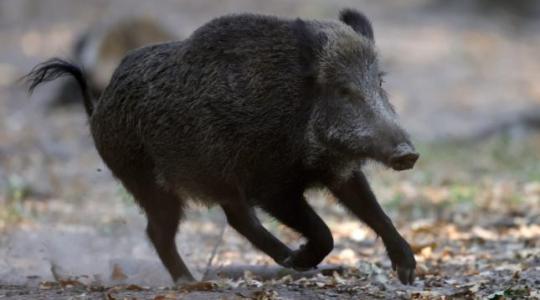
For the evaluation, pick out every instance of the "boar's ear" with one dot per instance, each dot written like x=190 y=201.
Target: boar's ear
x=358 y=22
x=310 y=44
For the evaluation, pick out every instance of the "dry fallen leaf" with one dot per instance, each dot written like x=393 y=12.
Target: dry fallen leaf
x=168 y=296
x=118 y=273
x=198 y=286
x=67 y=283
x=265 y=295
x=134 y=287
x=47 y=285
x=418 y=248
x=110 y=296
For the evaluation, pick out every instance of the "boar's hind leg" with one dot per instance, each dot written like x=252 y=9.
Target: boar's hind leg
x=297 y=214
x=356 y=195
x=243 y=219
x=163 y=211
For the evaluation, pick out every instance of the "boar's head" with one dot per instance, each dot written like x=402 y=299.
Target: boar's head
x=352 y=116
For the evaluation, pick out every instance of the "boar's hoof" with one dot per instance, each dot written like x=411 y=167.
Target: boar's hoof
x=403 y=262
x=184 y=280
x=405 y=274
x=301 y=260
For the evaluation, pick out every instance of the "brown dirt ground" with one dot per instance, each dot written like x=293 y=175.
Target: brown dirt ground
x=469 y=209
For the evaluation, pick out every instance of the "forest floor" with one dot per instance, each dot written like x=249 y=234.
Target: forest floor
x=470 y=208
x=472 y=221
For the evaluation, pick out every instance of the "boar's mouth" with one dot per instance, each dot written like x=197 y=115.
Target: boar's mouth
x=399 y=158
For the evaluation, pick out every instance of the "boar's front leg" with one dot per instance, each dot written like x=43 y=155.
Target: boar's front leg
x=243 y=219
x=356 y=195
x=296 y=213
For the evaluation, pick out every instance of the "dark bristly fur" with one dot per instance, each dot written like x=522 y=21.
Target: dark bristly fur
x=249 y=111
x=56 y=68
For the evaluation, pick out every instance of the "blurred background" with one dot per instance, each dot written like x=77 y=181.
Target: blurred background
x=464 y=77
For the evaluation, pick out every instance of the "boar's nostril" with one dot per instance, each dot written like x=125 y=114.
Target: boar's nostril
x=404 y=158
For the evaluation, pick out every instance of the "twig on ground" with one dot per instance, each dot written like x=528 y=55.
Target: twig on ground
x=214 y=251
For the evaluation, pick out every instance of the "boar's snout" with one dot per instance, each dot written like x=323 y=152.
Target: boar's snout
x=403 y=157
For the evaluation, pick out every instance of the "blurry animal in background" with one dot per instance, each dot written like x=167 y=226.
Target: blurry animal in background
x=100 y=49
x=250 y=111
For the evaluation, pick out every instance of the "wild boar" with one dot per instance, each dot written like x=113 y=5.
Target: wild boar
x=250 y=111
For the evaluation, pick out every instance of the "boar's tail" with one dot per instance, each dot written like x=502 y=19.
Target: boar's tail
x=55 y=68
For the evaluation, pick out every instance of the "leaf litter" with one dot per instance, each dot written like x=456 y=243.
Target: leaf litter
x=471 y=212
